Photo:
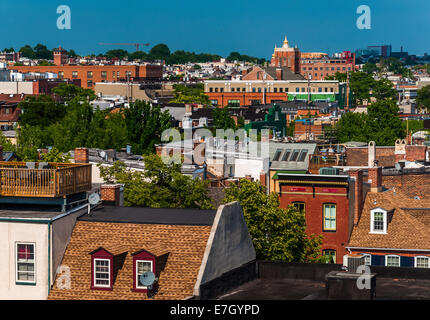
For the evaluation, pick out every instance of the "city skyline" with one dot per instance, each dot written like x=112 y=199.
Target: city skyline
x=247 y=28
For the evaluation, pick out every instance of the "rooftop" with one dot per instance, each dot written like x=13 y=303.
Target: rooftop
x=138 y=215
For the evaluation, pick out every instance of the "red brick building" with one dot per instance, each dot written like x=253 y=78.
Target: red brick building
x=328 y=205
x=90 y=74
x=286 y=56
x=319 y=68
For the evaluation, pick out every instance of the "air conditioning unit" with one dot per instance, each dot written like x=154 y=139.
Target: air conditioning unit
x=329 y=171
x=352 y=261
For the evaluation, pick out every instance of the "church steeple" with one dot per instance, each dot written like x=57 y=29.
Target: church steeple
x=285 y=45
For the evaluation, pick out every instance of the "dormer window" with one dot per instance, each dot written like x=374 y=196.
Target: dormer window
x=143 y=261
x=102 y=273
x=378 y=222
x=142 y=266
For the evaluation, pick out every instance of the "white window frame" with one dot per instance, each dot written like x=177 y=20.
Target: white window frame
x=416 y=258
x=372 y=215
x=95 y=272
x=16 y=263
x=370 y=257
x=329 y=217
x=137 y=274
x=391 y=256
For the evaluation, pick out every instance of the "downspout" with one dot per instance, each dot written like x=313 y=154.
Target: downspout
x=49 y=257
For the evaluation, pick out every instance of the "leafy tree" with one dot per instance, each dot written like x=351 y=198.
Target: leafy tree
x=353 y=127
x=222 y=119
x=159 y=52
x=6 y=144
x=117 y=53
x=72 y=54
x=45 y=63
x=69 y=91
x=278 y=234
x=42 y=52
x=190 y=94
x=9 y=50
x=138 y=55
x=423 y=99
x=40 y=111
x=236 y=56
x=339 y=76
x=384 y=123
x=27 y=52
x=360 y=84
x=29 y=139
x=145 y=124
x=159 y=185
x=54 y=155
x=383 y=89
x=370 y=68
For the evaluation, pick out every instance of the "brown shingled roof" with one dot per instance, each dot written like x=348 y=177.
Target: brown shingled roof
x=409 y=227
x=184 y=243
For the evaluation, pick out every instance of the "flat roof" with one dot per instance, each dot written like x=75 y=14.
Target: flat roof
x=33 y=212
x=141 y=215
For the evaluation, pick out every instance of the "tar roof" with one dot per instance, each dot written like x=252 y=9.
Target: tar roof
x=139 y=215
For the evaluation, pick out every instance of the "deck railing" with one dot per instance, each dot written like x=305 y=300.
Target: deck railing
x=54 y=180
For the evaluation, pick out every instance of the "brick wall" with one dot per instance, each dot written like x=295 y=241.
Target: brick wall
x=81 y=155
x=410 y=184
x=111 y=194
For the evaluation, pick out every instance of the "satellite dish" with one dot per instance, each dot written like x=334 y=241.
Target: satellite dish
x=147 y=278
x=102 y=154
x=94 y=198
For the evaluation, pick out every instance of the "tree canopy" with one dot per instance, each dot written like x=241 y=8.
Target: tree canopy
x=423 y=99
x=159 y=185
x=277 y=233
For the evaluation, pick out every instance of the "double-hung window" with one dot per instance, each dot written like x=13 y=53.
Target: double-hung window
x=102 y=276
x=142 y=266
x=422 y=262
x=392 y=261
x=25 y=263
x=329 y=216
x=378 y=223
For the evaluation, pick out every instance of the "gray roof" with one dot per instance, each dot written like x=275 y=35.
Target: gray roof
x=142 y=215
x=290 y=156
x=176 y=112
x=287 y=74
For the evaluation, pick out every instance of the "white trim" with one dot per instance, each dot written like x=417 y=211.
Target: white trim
x=16 y=262
x=137 y=275
x=370 y=257
x=415 y=261
x=95 y=272
x=389 y=249
x=391 y=256
x=372 y=213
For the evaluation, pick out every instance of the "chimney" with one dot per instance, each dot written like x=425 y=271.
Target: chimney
x=357 y=177
x=375 y=179
x=81 y=155
x=111 y=194
x=371 y=154
x=400 y=150
x=263 y=178
x=278 y=73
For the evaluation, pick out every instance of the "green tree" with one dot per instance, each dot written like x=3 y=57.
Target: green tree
x=360 y=84
x=27 y=52
x=69 y=92
x=42 y=52
x=383 y=89
x=159 y=185
x=384 y=123
x=278 y=234
x=145 y=124
x=423 y=99
x=353 y=127
x=40 y=111
x=339 y=76
x=54 y=155
x=370 y=68
x=117 y=53
x=190 y=94
x=159 y=52
x=222 y=119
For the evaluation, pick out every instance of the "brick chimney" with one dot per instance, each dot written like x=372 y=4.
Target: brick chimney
x=263 y=178
x=111 y=194
x=357 y=177
x=371 y=154
x=375 y=179
x=278 y=73
x=81 y=155
x=400 y=150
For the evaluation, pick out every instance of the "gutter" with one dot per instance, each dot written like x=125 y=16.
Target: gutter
x=387 y=249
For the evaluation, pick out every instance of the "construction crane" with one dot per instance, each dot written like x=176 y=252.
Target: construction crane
x=137 y=45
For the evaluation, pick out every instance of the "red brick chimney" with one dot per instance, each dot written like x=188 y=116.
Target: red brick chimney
x=263 y=178
x=111 y=194
x=278 y=74
x=375 y=179
x=357 y=176
x=81 y=155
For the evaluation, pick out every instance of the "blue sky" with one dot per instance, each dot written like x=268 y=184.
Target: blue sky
x=251 y=27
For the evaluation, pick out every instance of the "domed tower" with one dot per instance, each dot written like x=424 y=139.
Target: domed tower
x=286 y=56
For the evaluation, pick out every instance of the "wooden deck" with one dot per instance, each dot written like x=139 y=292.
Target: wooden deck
x=54 y=180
